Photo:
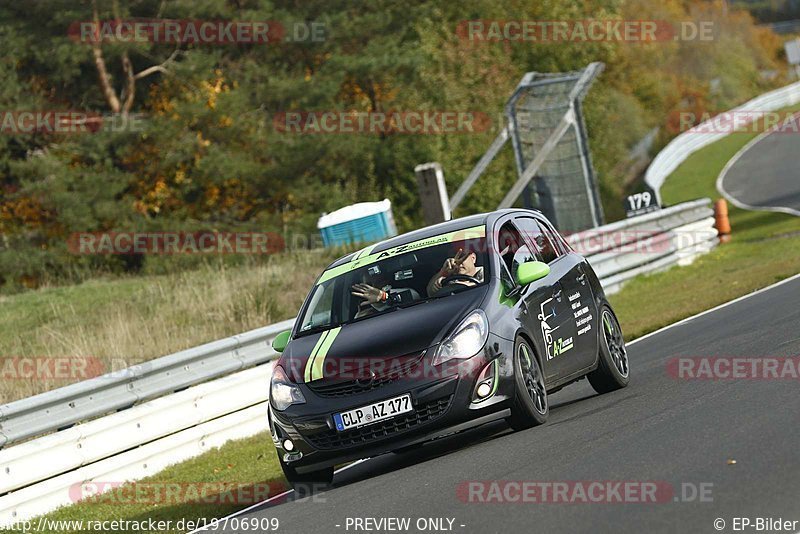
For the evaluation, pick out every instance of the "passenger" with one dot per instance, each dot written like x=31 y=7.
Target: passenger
x=377 y=292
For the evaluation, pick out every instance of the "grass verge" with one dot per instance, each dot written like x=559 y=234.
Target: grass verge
x=116 y=323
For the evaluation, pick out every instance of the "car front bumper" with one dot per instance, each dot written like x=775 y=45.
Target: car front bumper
x=442 y=405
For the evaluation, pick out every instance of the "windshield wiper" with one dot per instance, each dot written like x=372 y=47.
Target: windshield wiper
x=414 y=302
x=377 y=314
x=451 y=289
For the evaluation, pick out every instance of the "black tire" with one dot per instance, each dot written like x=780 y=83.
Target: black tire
x=307 y=483
x=530 y=406
x=613 y=371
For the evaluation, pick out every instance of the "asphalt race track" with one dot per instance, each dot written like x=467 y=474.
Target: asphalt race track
x=765 y=174
x=658 y=429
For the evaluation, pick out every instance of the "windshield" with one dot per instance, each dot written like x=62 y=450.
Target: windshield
x=402 y=279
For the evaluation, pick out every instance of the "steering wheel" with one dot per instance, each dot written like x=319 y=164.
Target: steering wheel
x=459 y=277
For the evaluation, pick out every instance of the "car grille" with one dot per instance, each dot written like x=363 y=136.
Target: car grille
x=353 y=387
x=331 y=439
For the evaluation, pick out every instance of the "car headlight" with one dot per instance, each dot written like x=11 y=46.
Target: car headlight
x=466 y=341
x=282 y=392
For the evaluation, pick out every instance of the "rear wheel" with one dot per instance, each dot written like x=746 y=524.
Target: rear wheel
x=530 y=401
x=612 y=373
x=308 y=483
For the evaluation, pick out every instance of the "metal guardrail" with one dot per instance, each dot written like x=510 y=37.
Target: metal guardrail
x=105 y=437
x=687 y=143
x=58 y=469
x=63 y=407
x=682 y=246
x=617 y=249
x=647 y=243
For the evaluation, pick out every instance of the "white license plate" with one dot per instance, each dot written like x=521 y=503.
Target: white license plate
x=385 y=409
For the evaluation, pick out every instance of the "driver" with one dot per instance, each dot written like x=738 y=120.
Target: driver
x=463 y=263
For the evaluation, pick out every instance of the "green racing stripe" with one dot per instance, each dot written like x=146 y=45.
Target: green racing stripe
x=366 y=257
x=364 y=251
x=314 y=365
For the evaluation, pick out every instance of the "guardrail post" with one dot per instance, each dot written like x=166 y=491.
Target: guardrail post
x=432 y=193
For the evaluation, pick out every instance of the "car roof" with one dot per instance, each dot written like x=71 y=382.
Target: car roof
x=434 y=230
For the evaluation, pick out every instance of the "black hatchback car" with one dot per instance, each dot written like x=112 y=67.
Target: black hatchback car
x=436 y=331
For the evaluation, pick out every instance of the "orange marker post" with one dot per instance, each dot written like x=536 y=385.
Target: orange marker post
x=722 y=224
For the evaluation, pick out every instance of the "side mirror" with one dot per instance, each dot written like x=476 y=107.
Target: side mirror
x=281 y=340
x=530 y=271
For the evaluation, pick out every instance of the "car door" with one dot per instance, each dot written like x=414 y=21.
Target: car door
x=545 y=309
x=563 y=351
x=580 y=296
x=529 y=300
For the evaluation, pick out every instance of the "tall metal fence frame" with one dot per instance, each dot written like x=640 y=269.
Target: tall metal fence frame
x=571 y=119
x=528 y=165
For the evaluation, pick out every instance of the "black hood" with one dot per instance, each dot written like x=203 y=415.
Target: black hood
x=394 y=336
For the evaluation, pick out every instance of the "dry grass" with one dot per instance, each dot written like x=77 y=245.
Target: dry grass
x=118 y=323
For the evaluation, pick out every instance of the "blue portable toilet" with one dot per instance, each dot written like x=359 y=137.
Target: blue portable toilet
x=357 y=223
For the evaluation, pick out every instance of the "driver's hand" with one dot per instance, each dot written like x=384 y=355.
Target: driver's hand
x=437 y=285
x=367 y=292
x=451 y=265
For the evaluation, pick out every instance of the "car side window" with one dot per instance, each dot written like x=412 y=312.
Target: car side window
x=513 y=250
x=556 y=239
x=508 y=242
x=535 y=235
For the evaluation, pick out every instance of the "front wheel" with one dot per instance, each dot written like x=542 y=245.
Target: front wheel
x=612 y=372
x=530 y=406
x=307 y=483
